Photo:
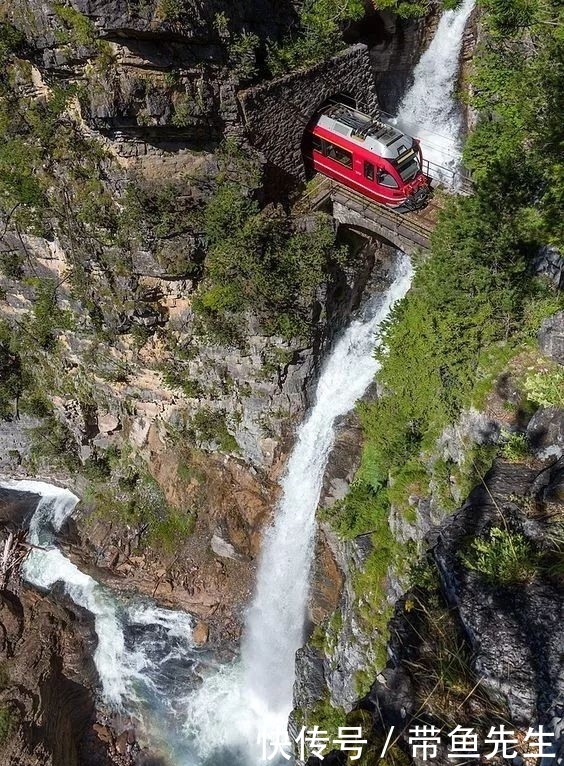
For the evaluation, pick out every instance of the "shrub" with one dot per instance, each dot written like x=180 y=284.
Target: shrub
x=11 y=40
x=260 y=261
x=546 y=387
x=502 y=557
x=210 y=427
x=81 y=31
x=54 y=445
x=319 y=35
x=8 y=719
x=243 y=55
x=515 y=448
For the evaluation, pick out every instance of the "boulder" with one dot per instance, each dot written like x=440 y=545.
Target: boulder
x=545 y=433
x=551 y=337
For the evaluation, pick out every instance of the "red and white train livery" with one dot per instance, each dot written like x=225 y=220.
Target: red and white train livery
x=369 y=156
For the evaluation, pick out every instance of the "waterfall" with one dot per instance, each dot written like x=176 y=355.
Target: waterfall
x=276 y=619
x=429 y=110
x=256 y=694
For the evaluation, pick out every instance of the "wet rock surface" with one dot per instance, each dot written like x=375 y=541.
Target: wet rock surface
x=48 y=683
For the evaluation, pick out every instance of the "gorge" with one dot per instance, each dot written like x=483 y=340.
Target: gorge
x=187 y=355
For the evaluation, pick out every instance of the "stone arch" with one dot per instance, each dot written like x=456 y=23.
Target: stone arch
x=276 y=114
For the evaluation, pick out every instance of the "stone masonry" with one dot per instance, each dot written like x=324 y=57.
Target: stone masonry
x=276 y=113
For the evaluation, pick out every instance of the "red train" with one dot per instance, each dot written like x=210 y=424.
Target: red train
x=369 y=156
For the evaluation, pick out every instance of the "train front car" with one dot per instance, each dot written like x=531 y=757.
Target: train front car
x=369 y=156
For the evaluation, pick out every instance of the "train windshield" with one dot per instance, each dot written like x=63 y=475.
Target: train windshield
x=408 y=165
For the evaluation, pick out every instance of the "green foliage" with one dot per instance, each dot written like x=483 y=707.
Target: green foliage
x=11 y=40
x=502 y=557
x=210 y=427
x=8 y=720
x=81 y=31
x=546 y=387
x=133 y=498
x=409 y=9
x=53 y=445
x=319 y=35
x=183 y=112
x=516 y=87
x=515 y=448
x=48 y=317
x=243 y=55
x=321 y=714
x=171 y=10
x=259 y=261
x=11 y=372
x=412 y=479
x=175 y=377
x=11 y=263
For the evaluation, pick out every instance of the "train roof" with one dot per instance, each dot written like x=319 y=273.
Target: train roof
x=377 y=136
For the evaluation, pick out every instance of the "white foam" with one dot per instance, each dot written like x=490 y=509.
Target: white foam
x=429 y=110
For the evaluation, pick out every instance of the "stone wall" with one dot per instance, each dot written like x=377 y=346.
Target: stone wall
x=275 y=114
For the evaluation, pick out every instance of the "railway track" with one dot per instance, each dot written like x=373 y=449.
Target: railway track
x=416 y=226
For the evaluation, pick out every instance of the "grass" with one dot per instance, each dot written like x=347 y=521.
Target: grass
x=515 y=448
x=209 y=427
x=8 y=719
x=502 y=557
x=133 y=498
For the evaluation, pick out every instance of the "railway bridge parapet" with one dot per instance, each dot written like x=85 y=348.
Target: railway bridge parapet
x=409 y=232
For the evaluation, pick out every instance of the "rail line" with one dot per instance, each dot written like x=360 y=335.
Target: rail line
x=416 y=226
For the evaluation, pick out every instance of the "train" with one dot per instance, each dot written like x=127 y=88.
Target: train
x=370 y=156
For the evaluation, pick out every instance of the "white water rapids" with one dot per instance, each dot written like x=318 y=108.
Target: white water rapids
x=429 y=110
x=145 y=656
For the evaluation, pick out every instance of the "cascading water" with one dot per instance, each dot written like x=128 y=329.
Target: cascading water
x=429 y=110
x=256 y=694
x=145 y=656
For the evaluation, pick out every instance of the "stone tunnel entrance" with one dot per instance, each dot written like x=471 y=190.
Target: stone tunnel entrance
x=276 y=114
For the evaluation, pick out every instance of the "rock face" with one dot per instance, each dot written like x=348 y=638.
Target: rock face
x=48 y=678
x=395 y=46
x=517 y=632
x=551 y=337
x=507 y=636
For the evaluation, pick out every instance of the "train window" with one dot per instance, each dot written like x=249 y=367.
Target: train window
x=317 y=143
x=386 y=179
x=369 y=170
x=338 y=154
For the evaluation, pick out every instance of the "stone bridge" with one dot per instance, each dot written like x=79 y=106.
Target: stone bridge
x=409 y=232
x=275 y=114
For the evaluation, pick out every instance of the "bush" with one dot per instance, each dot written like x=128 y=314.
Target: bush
x=546 y=387
x=81 y=31
x=210 y=427
x=54 y=445
x=135 y=499
x=319 y=35
x=502 y=557
x=260 y=261
x=8 y=720
x=11 y=40
x=515 y=448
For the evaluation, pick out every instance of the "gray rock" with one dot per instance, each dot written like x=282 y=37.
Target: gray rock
x=551 y=337
x=545 y=433
x=550 y=263
x=224 y=549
